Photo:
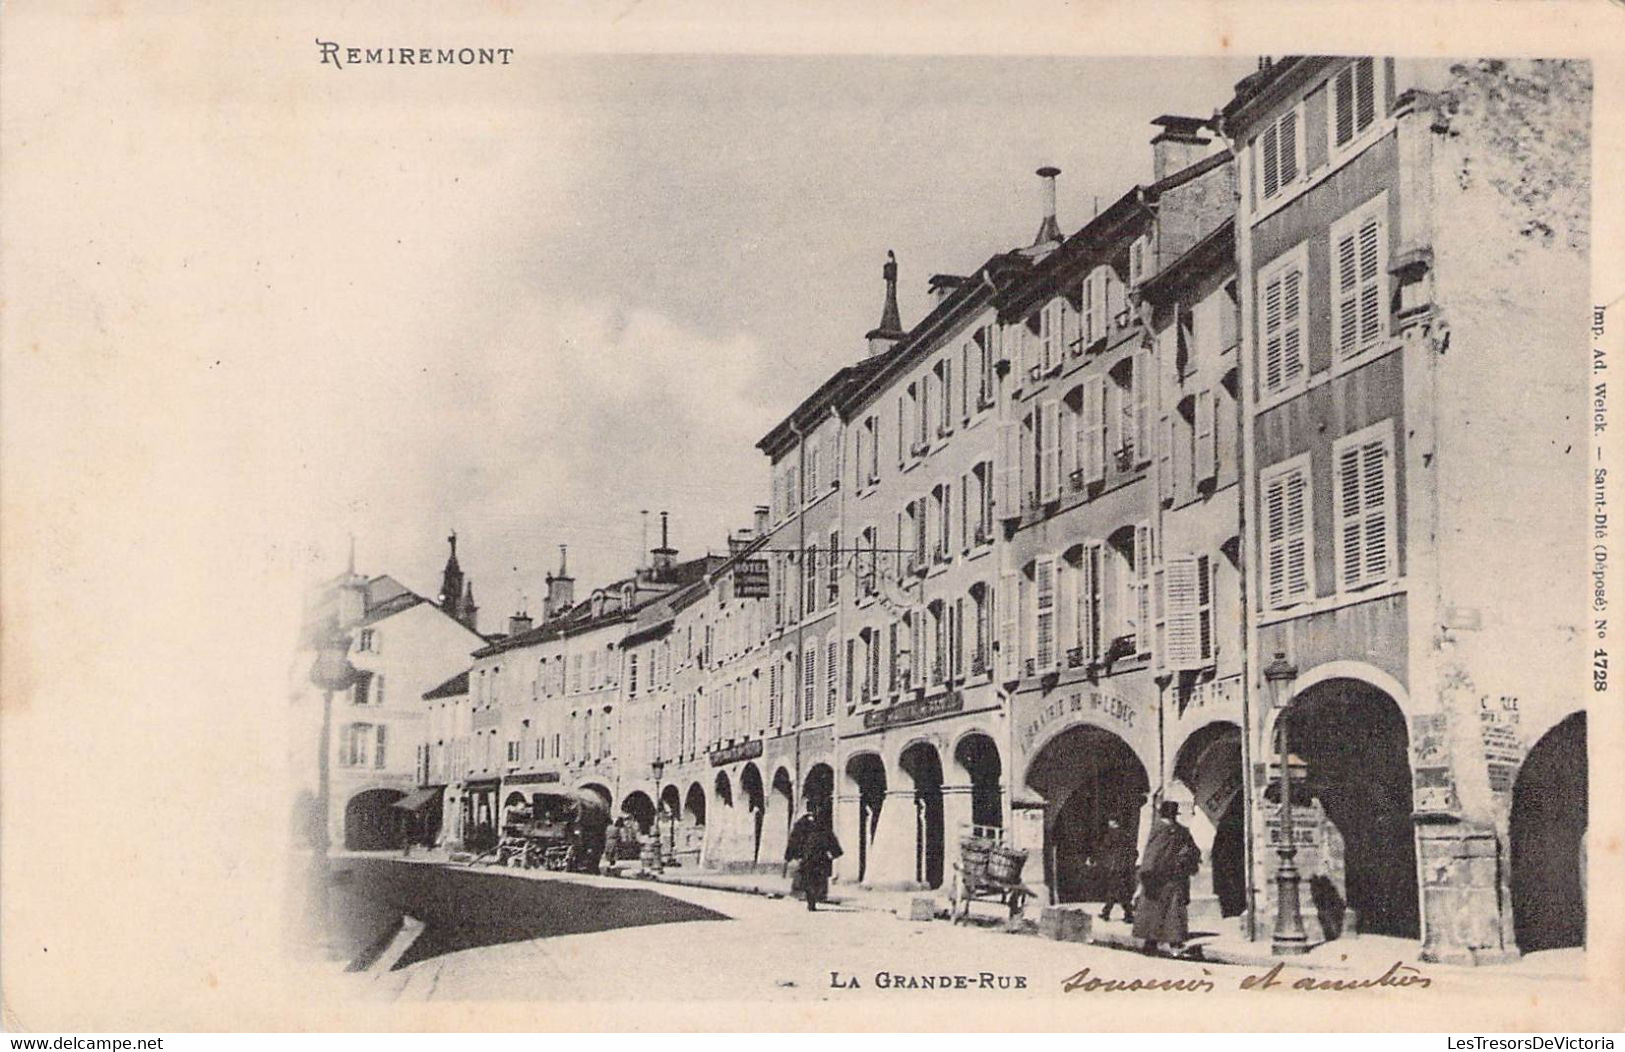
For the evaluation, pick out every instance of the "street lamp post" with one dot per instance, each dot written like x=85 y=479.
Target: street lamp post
x=1289 y=937
x=331 y=672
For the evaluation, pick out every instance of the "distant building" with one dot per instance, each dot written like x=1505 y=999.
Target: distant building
x=401 y=644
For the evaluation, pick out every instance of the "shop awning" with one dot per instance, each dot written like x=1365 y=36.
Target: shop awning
x=418 y=799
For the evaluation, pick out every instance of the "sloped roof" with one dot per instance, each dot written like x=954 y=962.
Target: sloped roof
x=454 y=687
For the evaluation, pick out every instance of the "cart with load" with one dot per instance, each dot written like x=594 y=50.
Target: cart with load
x=988 y=870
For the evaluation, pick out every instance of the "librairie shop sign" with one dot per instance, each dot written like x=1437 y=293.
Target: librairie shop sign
x=1098 y=707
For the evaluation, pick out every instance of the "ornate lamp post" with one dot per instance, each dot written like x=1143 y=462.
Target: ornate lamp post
x=1289 y=937
x=331 y=672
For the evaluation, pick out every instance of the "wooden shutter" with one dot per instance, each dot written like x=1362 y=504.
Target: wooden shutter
x=1286 y=522
x=1007 y=605
x=1182 y=632
x=1205 y=446
x=1008 y=491
x=1204 y=610
x=1143 y=385
x=1049 y=452
x=1373 y=312
x=1044 y=612
x=1094 y=428
x=1088 y=586
x=1142 y=587
x=1364 y=513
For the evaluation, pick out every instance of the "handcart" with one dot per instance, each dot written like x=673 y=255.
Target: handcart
x=988 y=870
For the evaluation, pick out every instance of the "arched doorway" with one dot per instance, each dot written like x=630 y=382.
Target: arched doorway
x=694 y=806
x=922 y=764
x=370 y=822
x=818 y=791
x=979 y=757
x=1355 y=746
x=1549 y=817
x=1209 y=765
x=1086 y=775
x=640 y=809
x=754 y=799
x=867 y=771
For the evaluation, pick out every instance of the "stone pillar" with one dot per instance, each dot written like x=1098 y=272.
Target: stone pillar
x=892 y=856
x=1461 y=915
x=775 y=831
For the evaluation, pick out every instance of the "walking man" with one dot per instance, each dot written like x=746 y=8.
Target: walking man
x=1171 y=859
x=814 y=849
x=1114 y=857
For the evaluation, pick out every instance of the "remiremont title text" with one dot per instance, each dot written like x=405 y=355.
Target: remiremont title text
x=339 y=56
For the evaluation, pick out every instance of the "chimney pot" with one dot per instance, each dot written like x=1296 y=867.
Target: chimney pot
x=1048 y=230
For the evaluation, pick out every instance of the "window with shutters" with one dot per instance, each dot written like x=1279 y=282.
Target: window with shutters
x=1091 y=438
x=1354 y=102
x=1363 y=508
x=1089 y=617
x=1007 y=604
x=1204 y=443
x=1188 y=612
x=984 y=358
x=1123 y=410
x=812 y=467
x=983 y=474
x=1140 y=587
x=832 y=677
x=982 y=630
x=1008 y=497
x=894 y=657
x=1278 y=155
x=1359 y=269
x=1288 y=537
x=1045 y=652
x=1047 y=467
x=810 y=572
x=1283 y=348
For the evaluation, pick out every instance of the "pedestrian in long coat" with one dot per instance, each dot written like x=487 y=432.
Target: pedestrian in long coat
x=1114 y=856
x=814 y=849
x=1171 y=860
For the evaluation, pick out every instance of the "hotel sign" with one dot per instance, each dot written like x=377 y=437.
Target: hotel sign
x=750 y=579
x=534 y=778
x=914 y=711
x=734 y=753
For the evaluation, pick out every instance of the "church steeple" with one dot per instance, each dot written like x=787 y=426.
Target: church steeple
x=451 y=580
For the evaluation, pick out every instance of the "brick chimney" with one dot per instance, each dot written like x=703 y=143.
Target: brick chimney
x=518 y=623
x=561 y=588
x=663 y=558
x=1178 y=145
x=1048 y=229
x=762 y=513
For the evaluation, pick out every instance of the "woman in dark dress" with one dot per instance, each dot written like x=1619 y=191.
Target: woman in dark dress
x=814 y=849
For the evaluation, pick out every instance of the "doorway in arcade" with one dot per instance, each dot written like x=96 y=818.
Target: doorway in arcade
x=1359 y=870
x=1209 y=765
x=1086 y=775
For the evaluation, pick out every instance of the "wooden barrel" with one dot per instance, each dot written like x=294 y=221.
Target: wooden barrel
x=1004 y=865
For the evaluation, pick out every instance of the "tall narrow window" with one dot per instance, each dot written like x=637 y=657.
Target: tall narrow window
x=832 y=677
x=1281 y=310
x=1044 y=612
x=1288 y=572
x=1354 y=100
x=1359 y=265
x=1363 y=508
x=1276 y=154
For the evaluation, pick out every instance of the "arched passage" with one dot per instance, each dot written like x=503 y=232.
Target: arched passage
x=1209 y=765
x=1353 y=740
x=818 y=792
x=694 y=805
x=978 y=756
x=923 y=765
x=640 y=809
x=753 y=799
x=1549 y=818
x=370 y=822
x=867 y=772
x=1087 y=775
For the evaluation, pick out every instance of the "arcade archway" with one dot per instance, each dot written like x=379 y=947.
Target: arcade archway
x=923 y=765
x=370 y=822
x=754 y=799
x=818 y=792
x=978 y=756
x=638 y=807
x=1549 y=818
x=1353 y=740
x=1087 y=775
x=694 y=805
x=1209 y=765
x=867 y=772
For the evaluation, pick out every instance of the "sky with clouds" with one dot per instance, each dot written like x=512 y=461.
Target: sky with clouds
x=589 y=293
